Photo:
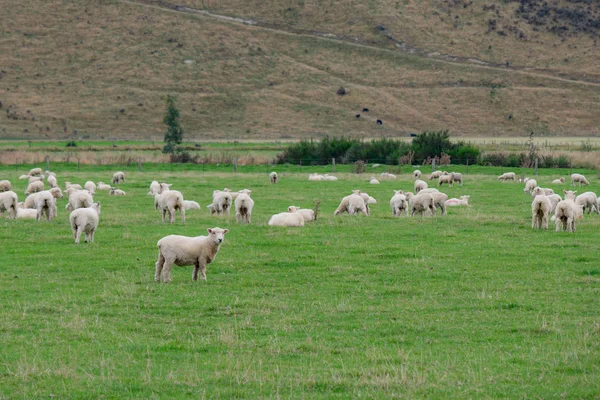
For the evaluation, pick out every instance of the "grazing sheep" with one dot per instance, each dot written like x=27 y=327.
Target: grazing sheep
x=52 y=181
x=579 y=179
x=79 y=199
x=24 y=177
x=90 y=187
x=35 y=179
x=287 y=219
x=399 y=203
x=184 y=250
x=170 y=201
x=103 y=186
x=420 y=185
x=118 y=177
x=116 y=192
x=420 y=203
x=69 y=185
x=540 y=210
x=308 y=214
x=446 y=178
x=8 y=202
x=567 y=212
x=589 y=201
x=25 y=213
x=191 y=205
x=221 y=203
x=5 y=186
x=45 y=203
x=34 y=187
x=454 y=202
x=428 y=190
x=273 y=177
x=558 y=181
x=154 y=188
x=387 y=175
x=85 y=220
x=243 y=207
x=352 y=204
x=435 y=175
x=439 y=200
x=373 y=181
x=417 y=174
x=508 y=176
x=458 y=178
x=530 y=185
x=35 y=172
x=49 y=173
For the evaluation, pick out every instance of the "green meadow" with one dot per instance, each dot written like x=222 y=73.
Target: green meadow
x=474 y=304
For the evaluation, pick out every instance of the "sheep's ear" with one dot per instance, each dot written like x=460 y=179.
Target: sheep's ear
x=210 y=230
x=225 y=231
x=564 y=191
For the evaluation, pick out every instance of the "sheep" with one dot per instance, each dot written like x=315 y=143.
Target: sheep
x=35 y=172
x=116 y=192
x=558 y=181
x=85 y=220
x=387 y=175
x=45 y=203
x=90 y=187
x=435 y=175
x=458 y=178
x=315 y=177
x=184 y=250
x=417 y=174
x=102 y=186
x=554 y=200
x=287 y=219
x=353 y=204
x=234 y=195
x=273 y=177
x=530 y=185
x=118 y=177
x=154 y=188
x=24 y=177
x=327 y=177
x=69 y=185
x=35 y=179
x=578 y=178
x=446 y=178
x=454 y=202
x=540 y=210
x=439 y=200
x=420 y=185
x=243 y=207
x=567 y=212
x=25 y=213
x=373 y=181
x=589 y=201
x=5 y=186
x=191 y=205
x=221 y=203
x=79 y=199
x=169 y=201
x=30 y=201
x=8 y=202
x=34 y=187
x=399 y=203
x=420 y=203
x=51 y=179
x=507 y=176
x=49 y=173
x=306 y=213
x=428 y=190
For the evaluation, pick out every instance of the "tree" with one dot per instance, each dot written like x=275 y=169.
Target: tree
x=174 y=135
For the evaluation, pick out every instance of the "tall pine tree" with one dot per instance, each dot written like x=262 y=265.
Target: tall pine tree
x=174 y=135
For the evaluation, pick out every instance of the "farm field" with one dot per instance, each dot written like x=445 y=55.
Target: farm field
x=469 y=305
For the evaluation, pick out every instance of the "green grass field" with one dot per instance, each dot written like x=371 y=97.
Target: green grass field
x=474 y=304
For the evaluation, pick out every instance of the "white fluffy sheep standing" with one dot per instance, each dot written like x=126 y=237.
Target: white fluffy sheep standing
x=79 y=199
x=85 y=220
x=154 y=188
x=567 y=212
x=530 y=185
x=243 y=207
x=169 y=201
x=508 y=176
x=352 y=204
x=421 y=203
x=579 y=179
x=420 y=185
x=221 y=203
x=90 y=187
x=540 y=211
x=589 y=201
x=35 y=172
x=5 y=186
x=447 y=178
x=458 y=177
x=45 y=203
x=439 y=200
x=273 y=177
x=184 y=250
x=399 y=203
x=118 y=177
x=8 y=202
x=52 y=182
x=34 y=187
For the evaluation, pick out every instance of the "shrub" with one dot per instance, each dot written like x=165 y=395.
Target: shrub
x=72 y=143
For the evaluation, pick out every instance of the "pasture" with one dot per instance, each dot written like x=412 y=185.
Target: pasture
x=472 y=304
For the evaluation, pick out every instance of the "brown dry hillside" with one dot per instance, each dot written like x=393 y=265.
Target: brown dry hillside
x=101 y=69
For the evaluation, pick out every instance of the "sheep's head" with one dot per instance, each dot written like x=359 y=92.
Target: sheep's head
x=96 y=206
x=217 y=235
x=164 y=187
x=56 y=192
x=398 y=192
x=569 y=194
x=537 y=191
x=292 y=209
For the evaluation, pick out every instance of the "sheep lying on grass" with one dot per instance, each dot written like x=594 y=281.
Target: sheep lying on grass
x=118 y=177
x=102 y=186
x=5 y=186
x=191 y=205
x=85 y=220
x=184 y=250
x=327 y=177
x=373 y=181
x=243 y=207
x=540 y=211
x=579 y=179
x=387 y=175
x=25 y=213
x=45 y=203
x=567 y=212
x=508 y=176
x=399 y=203
x=454 y=202
x=8 y=202
x=589 y=201
x=273 y=177
x=558 y=181
x=116 y=192
x=306 y=213
x=286 y=219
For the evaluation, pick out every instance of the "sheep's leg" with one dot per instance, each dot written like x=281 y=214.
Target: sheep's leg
x=432 y=208
x=167 y=268
x=545 y=221
x=203 y=271
x=182 y=213
x=159 y=266
x=533 y=221
x=164 y=214
x=78 y=234
x=443 y=208
x=196 y=269
x=92 y=232
x=171 y=215
x=237 y=217
x=74 y=229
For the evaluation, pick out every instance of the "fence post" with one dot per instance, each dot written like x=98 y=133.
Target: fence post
x=139 y=163
x=77 y=164
x=536 y=167
x=467 y=167
x=234 y=164
x=300 y=166
x=433 y=165
x=47 y=163
x=333 y=165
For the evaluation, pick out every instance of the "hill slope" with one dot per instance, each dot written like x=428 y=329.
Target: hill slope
x=101 y=69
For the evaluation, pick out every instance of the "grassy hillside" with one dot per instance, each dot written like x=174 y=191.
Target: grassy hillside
x=101 y=70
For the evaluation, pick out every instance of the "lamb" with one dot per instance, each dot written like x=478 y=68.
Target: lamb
x=52 y=181
x=315 y=177
x=154 y=188
x=446 y=178
x=439 y=200
x=118 y=177
x=420 y=185
x=507 y=176
x=69 y=185
x=25 y=213
x=458 y=177
x=435 y=175
x=24 y=177
x=353 y=204
x=85 y=220
x=578 y=178
x=454 y=202
x=49 y=173
x=428 y=190
x=589 y=201
x=5 y=186
x=243 y=207
x=540 y=210
x=35 y=179
x=35 y=172
x=387 y=175
x=79 y=199
x=373 y=181
x=327 y=177
x=399 y=203
x=234 y=195
x=306 y=213
x=221 y=203
x=45 y=203
x=287 y=219
x=567 y=212
x=90 y=187
x=554 y=200
x=116 y=192
x=30 y=201
x=184 y=250
x=103 y=186
x=273 y=177
x=530 y=185
x=8 y=202
x=558 y=181
x=170 y=201
x=417 y=174
x=421 y=203
x=34 y=187
x=191 y=205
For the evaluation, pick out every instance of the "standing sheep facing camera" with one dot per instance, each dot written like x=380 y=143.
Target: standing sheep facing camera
x=184 y=250
x=221 y=203
x=85 y=220
x=5 y=186
x=416 y=174
x=273 y=177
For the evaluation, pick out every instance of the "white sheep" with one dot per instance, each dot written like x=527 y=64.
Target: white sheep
x=446 y=178
x=34 y=187
x=579 y=179
x=458 y=178
x=234 y=195
x=508 y=176
x=103 y=186
x=308 y=214
x=540 y=210
x=554 y=200
x=169 y=201
x=30 y=201
x=420 y=185
x=8 y=202
x=429 y=190
x=85 y=220
x=567 y=212
x=90 y=187
x=416 y=174
x=316 y=177
x=558 y=181
x=439 y=200
x=435 y=175
x=353 y=204
x=454 y=202
x=24 y=177
x=387 y=175
x=327 y=177
x=373 y=181
x=420 y=203
x=45 y=203
x=221 y=203
x=5 y=186
x=35 y=179
x=79 y=199
x=154 y=188
x=49 y=173
x=25 y=213
x=118 y=177
x=51 y=179
x=191 y=205
x=35 y=172
x=287 y=219
x=273 y=177
x=69 y=185
x=184 y=250
x=530 y=185
x=589 y=201
x=399 y=203
x=243 y=207
x=116 y=192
